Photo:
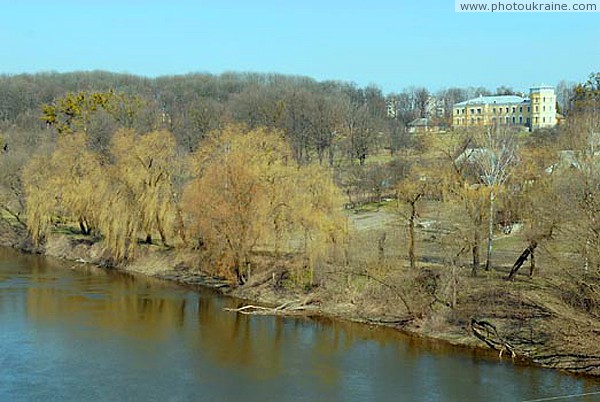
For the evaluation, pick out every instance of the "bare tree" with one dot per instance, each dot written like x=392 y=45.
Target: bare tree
x=498 y=155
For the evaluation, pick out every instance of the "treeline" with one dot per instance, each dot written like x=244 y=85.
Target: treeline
x=329 y=121
x=321 y=120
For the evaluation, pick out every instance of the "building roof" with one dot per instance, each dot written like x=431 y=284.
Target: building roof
x=541 y=87
x=420 y=122
x=492 y=100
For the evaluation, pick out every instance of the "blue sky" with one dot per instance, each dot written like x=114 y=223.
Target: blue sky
x=393 y=44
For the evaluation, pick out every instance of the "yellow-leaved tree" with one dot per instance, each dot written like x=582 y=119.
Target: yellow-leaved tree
x=63 y=185
x=130 y=195
x=249 y=193
x=147 y=165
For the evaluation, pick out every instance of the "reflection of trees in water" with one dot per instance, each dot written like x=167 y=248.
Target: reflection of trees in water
x=264 y=347
x=118 y=302
x=237 y=340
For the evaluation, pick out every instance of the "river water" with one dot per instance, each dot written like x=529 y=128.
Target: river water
x=79 y=333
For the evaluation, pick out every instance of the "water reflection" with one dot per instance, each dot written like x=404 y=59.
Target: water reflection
x=150 y=340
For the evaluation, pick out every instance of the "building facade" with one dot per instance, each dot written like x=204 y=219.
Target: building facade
x=536 y=111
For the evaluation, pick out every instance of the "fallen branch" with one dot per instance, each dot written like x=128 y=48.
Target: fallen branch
x=293 y=307
x=488 y=333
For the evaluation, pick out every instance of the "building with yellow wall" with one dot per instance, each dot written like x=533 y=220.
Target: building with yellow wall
x=537 y=111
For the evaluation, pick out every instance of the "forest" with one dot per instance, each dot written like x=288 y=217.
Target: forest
x=316 y=188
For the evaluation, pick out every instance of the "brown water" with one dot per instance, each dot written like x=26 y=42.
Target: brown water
x=78 y=333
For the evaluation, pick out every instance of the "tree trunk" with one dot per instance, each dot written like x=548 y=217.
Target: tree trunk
x=331 y=155
x=532 y=262
x=381 y=246
x=181 y=227
x=454 y=286
x=84 y=227
x=475 y=250
x=411 y=235
x=522 y=258
x=161 y=231
x=488 y=261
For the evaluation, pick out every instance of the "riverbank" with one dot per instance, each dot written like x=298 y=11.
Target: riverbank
x=519 y=319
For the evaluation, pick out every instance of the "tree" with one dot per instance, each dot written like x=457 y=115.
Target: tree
x=228 y=203
x=96 y=114
x=249 y=192
x=531 y=199
x=458 y=182
x=494 y=163
x=147 y=165
x=410 y=191
x=63 y=184
x=505 y=90
x=422 y=97
x=579 y=185
x=316 y=210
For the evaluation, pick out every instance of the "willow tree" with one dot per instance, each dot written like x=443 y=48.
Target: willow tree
x=249 y=193
x=78 y=174
x=41 y=202
x=146 y=165
x=316 y=205
x=63 y=185
x=472 y=197
x=230 y=201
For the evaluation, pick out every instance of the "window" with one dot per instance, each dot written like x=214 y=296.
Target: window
x=457 y=111
x=506 y=110
x=544 y=99
x=520 y=119
x=521 y=109
x=528 y=109
x=472 y=111
x=514 y=109
x=506 y=119
x=537 y=109
x=514 y=120
x=543 y=108
x=478 y=110
x=472 y=120
x=543 y=119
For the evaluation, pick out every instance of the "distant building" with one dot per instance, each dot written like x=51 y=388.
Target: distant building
x=420 y=125
x=537 y=111
x=425 y=125
x=434 y=108
x=392 y=107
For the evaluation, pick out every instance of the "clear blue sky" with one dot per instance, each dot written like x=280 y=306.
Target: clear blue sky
x=392 y=44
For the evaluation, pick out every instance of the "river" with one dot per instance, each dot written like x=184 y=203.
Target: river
x=80 y=333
